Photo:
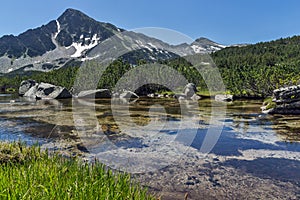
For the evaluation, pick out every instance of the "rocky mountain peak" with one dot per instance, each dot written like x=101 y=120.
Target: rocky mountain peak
x=72 y=15
x=76 y=27
x=72 y=12
x=204 y=40
x=202 y=45
x=73 y=36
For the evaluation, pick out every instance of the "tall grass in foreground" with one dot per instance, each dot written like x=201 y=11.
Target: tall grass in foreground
x=29 y=173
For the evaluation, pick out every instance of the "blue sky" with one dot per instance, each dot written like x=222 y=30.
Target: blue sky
x=224 y=21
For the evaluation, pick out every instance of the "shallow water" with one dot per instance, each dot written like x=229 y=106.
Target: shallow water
x=123 y=134
x=245 y=127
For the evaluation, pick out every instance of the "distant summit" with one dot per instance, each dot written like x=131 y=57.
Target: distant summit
x=204 y=45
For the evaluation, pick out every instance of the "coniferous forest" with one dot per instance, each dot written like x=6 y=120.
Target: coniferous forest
x=248 y=71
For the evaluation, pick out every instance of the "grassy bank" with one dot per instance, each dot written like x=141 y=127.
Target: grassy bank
x=29 y=173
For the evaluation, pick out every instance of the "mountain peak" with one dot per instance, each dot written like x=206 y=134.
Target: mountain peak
x=72 y=37
x=71 y=14
x=204 y=40
x=71 y=11
x=202 y=45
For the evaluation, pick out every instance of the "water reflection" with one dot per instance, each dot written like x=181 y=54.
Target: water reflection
x=55 y=119
x=149 y=134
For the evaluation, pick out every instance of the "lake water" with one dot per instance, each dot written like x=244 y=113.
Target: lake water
x=149 y=135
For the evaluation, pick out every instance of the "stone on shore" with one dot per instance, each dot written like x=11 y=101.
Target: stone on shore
x=189 y=90
x=189 y=93
x=285 y=100
x=224 y=97
x=128 y=95
x=45 y=91
x=100 y=93
x=25 y=86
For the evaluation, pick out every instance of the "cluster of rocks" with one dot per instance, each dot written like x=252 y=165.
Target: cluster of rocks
x=285 y=100
x=189 y=92
x=32 y=89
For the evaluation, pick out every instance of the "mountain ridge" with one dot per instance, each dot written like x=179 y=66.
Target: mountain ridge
x=71 y=37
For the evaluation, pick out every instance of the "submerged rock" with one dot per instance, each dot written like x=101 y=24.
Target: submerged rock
x=100 y=93
x=285 y=100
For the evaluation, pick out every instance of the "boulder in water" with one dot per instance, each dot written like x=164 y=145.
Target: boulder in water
x=25 y=86
x=47 y=91
x=100 y=93
x=224 y=97
x=189 y=90
x=128 y=95
x=285 y=100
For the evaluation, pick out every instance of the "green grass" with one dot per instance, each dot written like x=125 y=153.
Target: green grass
x=10 y=90
x=29 y=173
x=269 y=103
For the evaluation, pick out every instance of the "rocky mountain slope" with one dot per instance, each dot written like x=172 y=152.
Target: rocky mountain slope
x=71 y=38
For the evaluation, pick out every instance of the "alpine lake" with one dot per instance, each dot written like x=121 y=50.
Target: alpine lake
x=171 y=147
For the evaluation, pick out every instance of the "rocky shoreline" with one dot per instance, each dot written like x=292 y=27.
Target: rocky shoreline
x=193 y=175
x=285 y=100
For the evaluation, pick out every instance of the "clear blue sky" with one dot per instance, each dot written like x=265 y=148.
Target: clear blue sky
x=224 y=21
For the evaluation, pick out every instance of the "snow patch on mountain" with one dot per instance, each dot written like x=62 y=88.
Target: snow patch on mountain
x=58 y=29
x=207 y=49
x=80 y=49
x=152 y=45
x=197 y=49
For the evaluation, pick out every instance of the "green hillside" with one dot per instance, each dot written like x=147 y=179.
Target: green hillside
x=248 y=71
x=255 y=70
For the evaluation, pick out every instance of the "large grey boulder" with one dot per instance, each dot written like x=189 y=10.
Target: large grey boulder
x=47 y=91
x=285 y=100
x=288 y=109
x=189 y=90
x=100 y=93
x=25 y=86
x=31 y=93
x=287 y=94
